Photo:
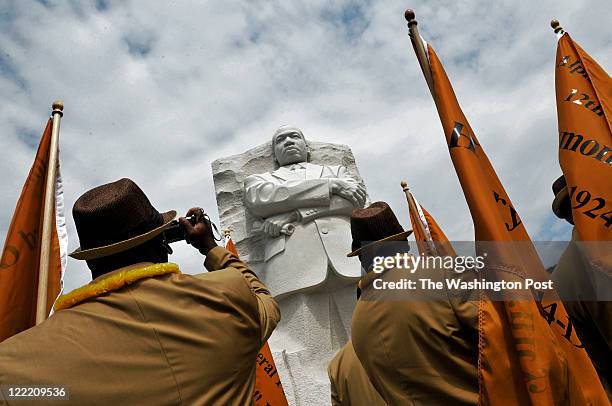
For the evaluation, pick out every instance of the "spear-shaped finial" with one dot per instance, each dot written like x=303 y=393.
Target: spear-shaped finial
x=556 y=26
x=410 y=17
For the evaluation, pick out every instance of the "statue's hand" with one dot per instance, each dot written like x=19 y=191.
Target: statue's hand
x=273 y=225
x=353 y=192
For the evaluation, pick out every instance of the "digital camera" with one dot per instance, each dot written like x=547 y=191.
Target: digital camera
x=175 y=232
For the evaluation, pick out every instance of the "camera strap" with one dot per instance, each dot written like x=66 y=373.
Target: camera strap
x=216 y=234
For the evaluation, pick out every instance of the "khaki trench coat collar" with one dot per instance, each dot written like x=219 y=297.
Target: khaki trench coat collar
x=113 y=281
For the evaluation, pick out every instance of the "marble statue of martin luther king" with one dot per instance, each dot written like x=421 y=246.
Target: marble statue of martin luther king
x=305 y=210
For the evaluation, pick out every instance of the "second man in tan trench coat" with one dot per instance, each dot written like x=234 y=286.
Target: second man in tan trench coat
x=415 y=352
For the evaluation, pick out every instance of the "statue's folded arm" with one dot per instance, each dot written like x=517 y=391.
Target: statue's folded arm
x=265 y=198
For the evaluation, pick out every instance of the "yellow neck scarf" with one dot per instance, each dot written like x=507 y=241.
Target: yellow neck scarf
x=114 y=281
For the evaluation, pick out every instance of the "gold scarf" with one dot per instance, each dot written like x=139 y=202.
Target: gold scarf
x=112 y=282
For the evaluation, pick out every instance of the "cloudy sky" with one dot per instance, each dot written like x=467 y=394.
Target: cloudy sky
x=156 y=91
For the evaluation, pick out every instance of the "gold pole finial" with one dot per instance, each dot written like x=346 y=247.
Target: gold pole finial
x=404 y=185
x=58 y=107
x=227 y=232
x=410 y=17
x=556 y=26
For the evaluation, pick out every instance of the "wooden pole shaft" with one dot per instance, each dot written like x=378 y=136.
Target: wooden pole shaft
x=48 y=216
x=419 y=49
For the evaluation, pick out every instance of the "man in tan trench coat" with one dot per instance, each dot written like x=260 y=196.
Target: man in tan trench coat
x=415 y=352
x=142 y=333
x=578 y=281
x=350 y=385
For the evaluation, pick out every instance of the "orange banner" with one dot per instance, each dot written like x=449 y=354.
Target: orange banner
x=436 y=235
x=584 y=94
x=527 y=351
x=268 y=387
x=21 y=254
x=436 y=232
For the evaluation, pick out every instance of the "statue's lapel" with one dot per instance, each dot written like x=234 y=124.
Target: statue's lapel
x=283 y=173
x=313 y=171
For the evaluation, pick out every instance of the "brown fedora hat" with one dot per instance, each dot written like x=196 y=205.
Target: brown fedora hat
x=376 y=223
x=562 y=205
x=115 y=217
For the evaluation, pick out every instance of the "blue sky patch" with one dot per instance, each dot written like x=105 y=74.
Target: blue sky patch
x=139 y=45
x=9 y=71
x=102 y=5
x=29 y=137
x=350 y=18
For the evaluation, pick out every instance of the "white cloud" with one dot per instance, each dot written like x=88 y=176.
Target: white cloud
x=155 y=91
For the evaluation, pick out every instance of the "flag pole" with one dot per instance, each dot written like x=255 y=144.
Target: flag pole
x=48 y=214
x=412 y=207
x=556 y=26
x=419 y=49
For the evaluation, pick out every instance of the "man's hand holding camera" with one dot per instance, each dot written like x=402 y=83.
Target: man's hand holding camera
x=200 y=234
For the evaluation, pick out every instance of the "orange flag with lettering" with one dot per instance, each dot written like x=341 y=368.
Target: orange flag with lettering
x=433 y=232
x=21 y=254
x=584 y=110
x=527 y=352
x=268 y=387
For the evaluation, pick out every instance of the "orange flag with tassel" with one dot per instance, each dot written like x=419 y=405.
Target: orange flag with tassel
x=427 y=232
x=584 y=110
x=19 y=264
x=527 y=352
x=268 y=387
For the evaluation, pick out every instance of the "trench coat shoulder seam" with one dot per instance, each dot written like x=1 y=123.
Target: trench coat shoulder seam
x=255 y=304
x=161 y=346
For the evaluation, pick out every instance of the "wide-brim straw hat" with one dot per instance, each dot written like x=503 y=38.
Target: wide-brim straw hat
x=116 y=217
x=375 y=224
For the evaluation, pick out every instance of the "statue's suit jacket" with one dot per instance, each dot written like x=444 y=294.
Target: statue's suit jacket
x=173 y=339
x=322 y=235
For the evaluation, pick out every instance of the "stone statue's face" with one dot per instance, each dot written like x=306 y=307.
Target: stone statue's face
x=290 y=148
